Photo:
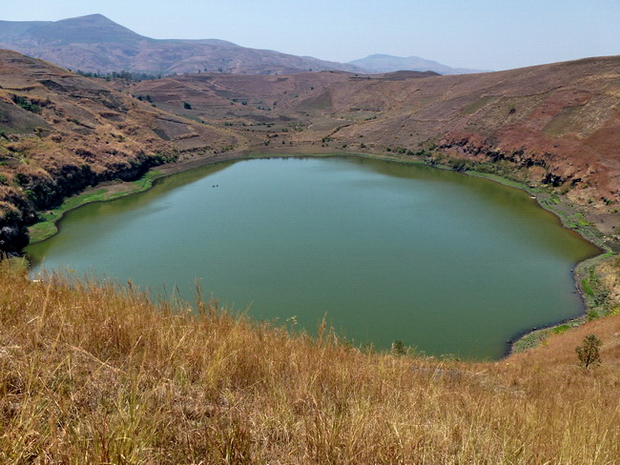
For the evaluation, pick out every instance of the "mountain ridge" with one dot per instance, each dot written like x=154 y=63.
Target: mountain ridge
x=382 y=63
x=95 y=28
x=96 y=44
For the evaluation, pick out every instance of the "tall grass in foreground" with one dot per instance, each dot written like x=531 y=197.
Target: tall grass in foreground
x=93 y=374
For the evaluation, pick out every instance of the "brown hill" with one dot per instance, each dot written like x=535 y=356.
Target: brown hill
x=96 y=44
x=554 y=125
x=60 y=132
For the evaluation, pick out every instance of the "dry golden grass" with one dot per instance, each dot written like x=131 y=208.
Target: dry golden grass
x=90 y=373
x=609 y=275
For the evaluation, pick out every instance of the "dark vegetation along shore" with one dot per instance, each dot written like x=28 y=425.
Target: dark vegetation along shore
x=92 y=373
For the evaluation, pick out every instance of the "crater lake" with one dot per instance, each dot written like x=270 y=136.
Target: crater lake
x=447 y=263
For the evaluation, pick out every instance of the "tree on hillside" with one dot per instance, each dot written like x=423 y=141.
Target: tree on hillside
x=588 y=351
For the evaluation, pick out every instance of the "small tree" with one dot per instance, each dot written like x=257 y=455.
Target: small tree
x=398 y=347
x=588 y=351
x=187 y=106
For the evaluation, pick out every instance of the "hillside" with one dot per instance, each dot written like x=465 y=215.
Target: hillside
x=93 y=374
x=552 y=126
x=95 y=44
x=60 y=133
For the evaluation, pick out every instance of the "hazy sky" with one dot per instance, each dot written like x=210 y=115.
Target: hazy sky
x=480 y=34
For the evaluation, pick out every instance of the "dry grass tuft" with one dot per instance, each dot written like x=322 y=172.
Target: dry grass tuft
x=90 y=373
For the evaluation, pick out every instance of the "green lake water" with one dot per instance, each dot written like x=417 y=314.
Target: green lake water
x=448 y=263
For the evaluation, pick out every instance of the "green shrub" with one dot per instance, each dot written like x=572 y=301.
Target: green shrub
x=398 y=347
x=26 y=104
x=588 y=351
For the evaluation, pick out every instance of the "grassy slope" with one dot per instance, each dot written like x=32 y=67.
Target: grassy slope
x=90 y=373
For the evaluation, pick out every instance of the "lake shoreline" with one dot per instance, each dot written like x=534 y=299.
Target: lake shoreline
x=533 y=336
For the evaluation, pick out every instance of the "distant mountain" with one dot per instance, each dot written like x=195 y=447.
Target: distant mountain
x=389 y=63
x=96 y=44
x=86 y=29
x=10 y=30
